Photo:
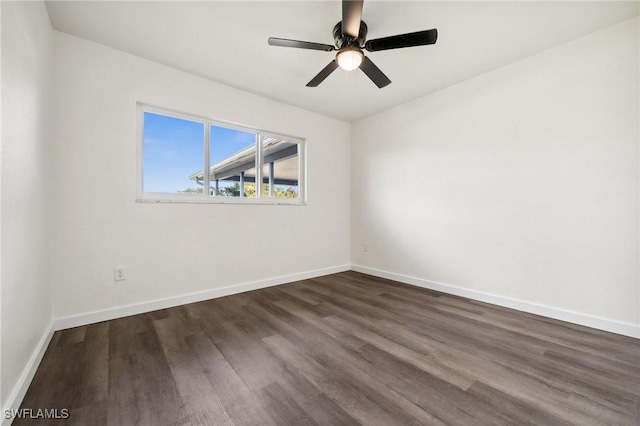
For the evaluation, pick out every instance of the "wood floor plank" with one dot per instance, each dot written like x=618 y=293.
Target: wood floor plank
x=322 y=409
x=200 y=400
x=346 y=366
x=122 y=408
x=419 y=360
x=94 y=367
x=246 y=355
x=94 y=414
x=518 y=409
x=283 y=407
x=240 y=404
x=349 y=396
x=343 y=349
x=72 y=336
x=151 y=373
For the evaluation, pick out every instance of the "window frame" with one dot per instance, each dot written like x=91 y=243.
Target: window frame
x=205 y=198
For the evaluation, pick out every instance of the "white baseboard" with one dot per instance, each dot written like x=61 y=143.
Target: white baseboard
x=16 y=397
x=153 y=305
x=20 y=390
x=626 y=329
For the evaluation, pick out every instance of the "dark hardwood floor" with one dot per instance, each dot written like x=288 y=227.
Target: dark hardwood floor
x=338 y=350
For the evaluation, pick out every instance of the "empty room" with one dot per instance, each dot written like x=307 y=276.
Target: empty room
x=320 y=212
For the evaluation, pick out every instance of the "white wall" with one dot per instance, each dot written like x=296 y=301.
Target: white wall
x=521 y=183
x=2 y=400
x=26 y=189
x=176 y=249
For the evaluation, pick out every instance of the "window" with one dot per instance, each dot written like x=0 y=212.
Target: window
x=190 y=159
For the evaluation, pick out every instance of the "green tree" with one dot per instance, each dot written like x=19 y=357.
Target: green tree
x=193 y=191
x=230 y=191
x=280 y=192
x=250 y=191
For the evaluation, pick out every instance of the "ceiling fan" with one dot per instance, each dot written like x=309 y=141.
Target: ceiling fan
x=350 y=36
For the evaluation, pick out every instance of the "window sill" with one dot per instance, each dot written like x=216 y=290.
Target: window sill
x=237 y=201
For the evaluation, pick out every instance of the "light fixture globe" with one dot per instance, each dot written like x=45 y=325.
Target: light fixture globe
x=349 y=58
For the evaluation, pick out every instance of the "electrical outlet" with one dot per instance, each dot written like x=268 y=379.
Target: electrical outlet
x=365 y=247
x=119 y=275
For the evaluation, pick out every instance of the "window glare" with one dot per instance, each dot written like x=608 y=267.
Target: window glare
x=232 y=156
x=172 y=153
x=281 y=158
x=185 y=158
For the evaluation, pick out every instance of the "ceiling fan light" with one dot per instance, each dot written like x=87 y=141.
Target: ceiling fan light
x=349 y=58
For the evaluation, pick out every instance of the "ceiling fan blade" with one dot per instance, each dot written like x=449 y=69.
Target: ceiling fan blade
x=351 y=17
x=285 y=42
x=373 y=72
x=419 y=38
x=315 y=81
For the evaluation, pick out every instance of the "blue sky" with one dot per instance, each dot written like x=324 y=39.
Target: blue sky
x=174 y=150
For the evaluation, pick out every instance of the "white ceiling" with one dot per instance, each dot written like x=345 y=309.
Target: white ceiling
x=227 y=42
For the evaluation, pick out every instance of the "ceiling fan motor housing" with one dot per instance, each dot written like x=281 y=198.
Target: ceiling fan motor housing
x=350 y=45
x=343 y=41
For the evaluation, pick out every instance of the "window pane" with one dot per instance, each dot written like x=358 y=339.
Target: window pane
x=173 y=151
x=233 y=162
x=173 y=161
x=281 y=158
